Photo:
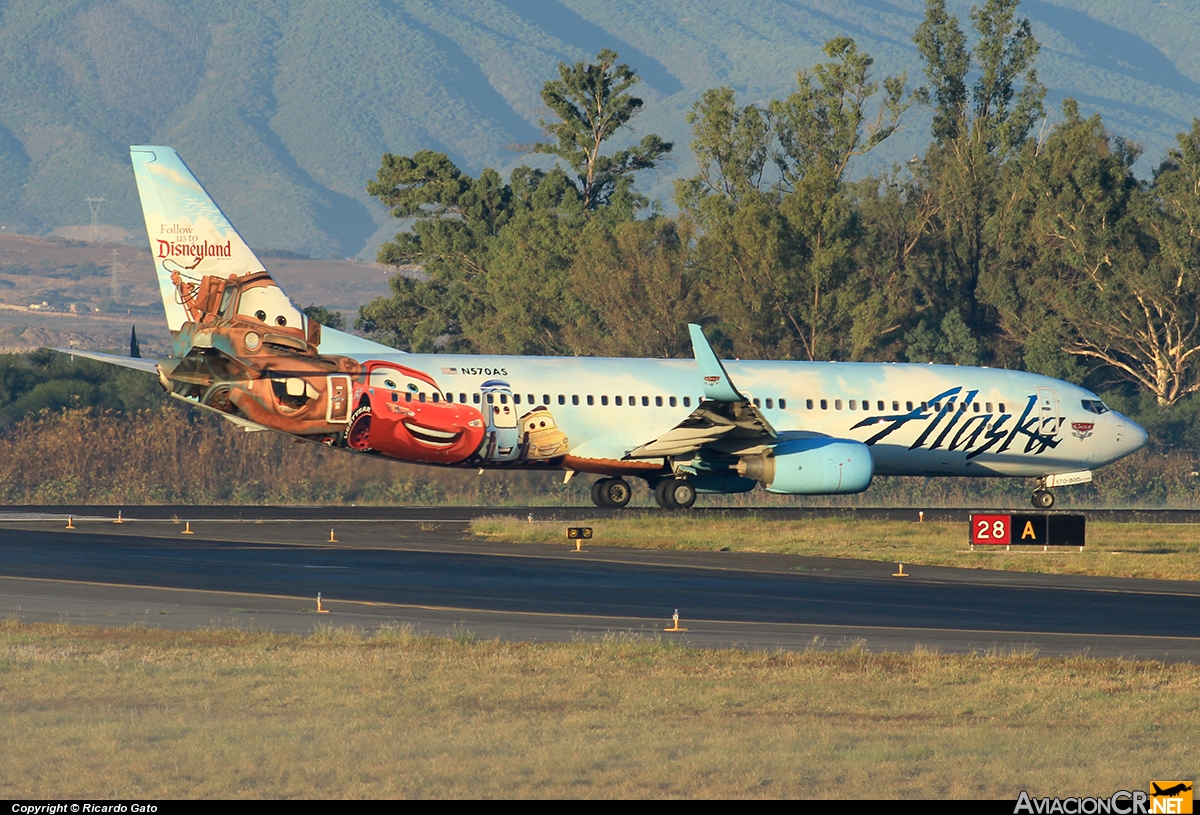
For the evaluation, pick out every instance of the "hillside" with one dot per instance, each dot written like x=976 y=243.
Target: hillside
x=59 y=293
x=283 y=109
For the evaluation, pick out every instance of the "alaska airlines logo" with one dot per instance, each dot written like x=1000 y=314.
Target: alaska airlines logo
x=951 y=424
x=711 y=380
x=203 y=249
x=1081 y=430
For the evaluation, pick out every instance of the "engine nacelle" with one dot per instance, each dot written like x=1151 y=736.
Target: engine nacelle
x=813 y=466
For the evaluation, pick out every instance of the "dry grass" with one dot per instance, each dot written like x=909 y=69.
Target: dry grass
x=1167 y=551
x=147 y=713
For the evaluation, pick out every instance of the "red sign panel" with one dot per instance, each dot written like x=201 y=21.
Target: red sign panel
x=991 y=530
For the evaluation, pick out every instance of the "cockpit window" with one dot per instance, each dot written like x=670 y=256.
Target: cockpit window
x=1095 y=406
x=269 y=305
x=394 y=380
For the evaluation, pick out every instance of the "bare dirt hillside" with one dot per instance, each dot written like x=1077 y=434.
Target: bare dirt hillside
x=60 y=293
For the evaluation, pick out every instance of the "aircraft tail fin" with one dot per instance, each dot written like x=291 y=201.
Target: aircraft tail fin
x=189 y=235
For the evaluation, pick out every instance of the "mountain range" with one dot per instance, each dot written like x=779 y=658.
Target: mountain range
x=284 y=107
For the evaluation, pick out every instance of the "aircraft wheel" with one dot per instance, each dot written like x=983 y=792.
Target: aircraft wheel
x=675 y=493
x=598 y=492
x=1043 y=499
x=617 y=492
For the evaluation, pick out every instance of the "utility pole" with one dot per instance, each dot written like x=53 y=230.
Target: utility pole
x=94 y=206
x=112 y=268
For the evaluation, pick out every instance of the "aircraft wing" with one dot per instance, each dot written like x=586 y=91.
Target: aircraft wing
x=136 y=363
x=725 y=421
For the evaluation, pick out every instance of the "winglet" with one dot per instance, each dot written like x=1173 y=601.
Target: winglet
x=717 y=384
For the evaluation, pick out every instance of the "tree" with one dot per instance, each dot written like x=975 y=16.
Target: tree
x=730 y=145
x=1132 y=301
x=777 y=263
x=592 y=102
x=975 y=133
x=823 y=124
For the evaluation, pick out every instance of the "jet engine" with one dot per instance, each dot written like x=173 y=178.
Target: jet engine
x=811 y=466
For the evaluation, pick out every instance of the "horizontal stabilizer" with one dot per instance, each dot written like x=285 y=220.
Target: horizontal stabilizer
x=150 y=366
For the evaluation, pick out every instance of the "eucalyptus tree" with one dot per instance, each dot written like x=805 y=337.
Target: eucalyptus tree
x=777 y=259
x=977 y=127
x=488 y=262
x=592 y=101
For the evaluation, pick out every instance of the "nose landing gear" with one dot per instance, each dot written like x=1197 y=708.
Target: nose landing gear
x=1042 y=498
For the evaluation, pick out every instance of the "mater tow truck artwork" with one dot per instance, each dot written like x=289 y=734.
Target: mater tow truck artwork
x=246 y=351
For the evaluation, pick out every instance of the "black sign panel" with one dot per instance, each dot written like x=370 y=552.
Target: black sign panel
x=1066 y=530
x=1048 y=530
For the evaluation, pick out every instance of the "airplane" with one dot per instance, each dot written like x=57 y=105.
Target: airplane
x=1170 y=792
x=242 y=349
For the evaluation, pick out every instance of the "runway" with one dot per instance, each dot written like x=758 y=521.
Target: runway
x=424 y=571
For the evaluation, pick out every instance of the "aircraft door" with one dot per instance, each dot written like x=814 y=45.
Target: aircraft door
x=338 y=407
x=1047 y=412
x=500 y=414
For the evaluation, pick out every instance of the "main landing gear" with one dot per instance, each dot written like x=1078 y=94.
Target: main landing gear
x=611 y=492
x=675 y=493
x=1042 y=498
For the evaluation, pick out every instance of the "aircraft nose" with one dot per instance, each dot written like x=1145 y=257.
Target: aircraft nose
x=1131 y=436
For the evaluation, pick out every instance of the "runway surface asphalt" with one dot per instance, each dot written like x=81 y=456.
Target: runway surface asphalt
x=420 y=567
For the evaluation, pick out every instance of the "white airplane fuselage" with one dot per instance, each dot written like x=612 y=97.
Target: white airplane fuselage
x=925 y=420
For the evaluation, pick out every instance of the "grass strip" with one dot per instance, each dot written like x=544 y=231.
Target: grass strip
x=91 y=712
x=1165 y=551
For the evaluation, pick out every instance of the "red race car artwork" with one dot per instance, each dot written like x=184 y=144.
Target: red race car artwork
x=403 y=414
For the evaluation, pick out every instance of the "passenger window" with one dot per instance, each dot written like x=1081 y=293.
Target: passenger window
x=645 y=401
x=516 y=398
x=421 y=396
x=687 y=401
x=435 y=399
x=545 y=399
x=617 y=401
x=937 y=406
x=881 y=405
x=1002 y=407
x=531 y=399
x=672 y=401
x=504 y=398
x=976 y=407
x=574 y=399
x=395 y=396
x=562 y=400
x=770 y=403
x=591 y=400
x=837 y=404
x=962 y=408
x=908 y=405
x=852 y=404
x=658 y=401
x=824 y=404
x=783 y=404
x=756 y=402
x=896 y=407
x=924 y=405
x=808 y=403
x=408 y=397
x=475 y=398
x=604 y=400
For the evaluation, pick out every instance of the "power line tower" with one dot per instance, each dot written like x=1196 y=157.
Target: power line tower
x=94 y=206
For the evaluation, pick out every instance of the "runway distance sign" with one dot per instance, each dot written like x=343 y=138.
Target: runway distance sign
x=992 y=529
